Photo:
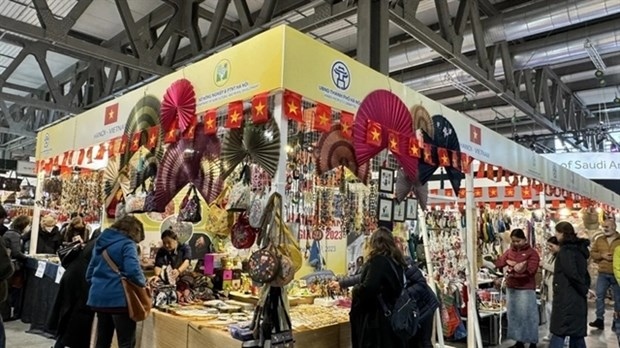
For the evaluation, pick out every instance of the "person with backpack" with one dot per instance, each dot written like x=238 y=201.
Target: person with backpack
x=380 y=285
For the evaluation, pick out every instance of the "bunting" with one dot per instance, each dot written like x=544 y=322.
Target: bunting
x=260 y=108
x=346 y=124
x=292 y=106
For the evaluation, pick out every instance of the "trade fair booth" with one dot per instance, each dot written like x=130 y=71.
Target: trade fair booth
x=345 y=149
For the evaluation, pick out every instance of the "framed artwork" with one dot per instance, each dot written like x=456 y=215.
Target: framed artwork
x=412 y=209
x=386 y=209
x=386 y=180
x=399 y=211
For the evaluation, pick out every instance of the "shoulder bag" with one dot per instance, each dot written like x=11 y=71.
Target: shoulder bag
x=139 y=299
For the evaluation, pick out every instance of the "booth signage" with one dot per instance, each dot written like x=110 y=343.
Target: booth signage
x=592 y=165
x=26 y=168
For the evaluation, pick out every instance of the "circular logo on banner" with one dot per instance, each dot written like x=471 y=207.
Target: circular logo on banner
x=341 y=75
x=221 y=73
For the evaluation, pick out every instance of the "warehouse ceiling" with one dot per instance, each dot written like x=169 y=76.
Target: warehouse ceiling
x=542 y=72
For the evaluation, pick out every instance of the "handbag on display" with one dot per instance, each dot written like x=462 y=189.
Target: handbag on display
x=150 y=202
x=134 y=202
x=270 y=329
x=164 y=295
x=243 y=235
x=239 y=199
x=218 y=220
x=139 y=299
x=264 y=265
x=190 y=209
x=256 y=210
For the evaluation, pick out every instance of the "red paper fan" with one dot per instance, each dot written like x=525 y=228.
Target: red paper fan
x=387 y=109
x=334 y=150
x=206 y=166
x=179 y=103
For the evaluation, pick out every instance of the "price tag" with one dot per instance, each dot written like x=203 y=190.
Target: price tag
x=59 y=274
x=40 y=269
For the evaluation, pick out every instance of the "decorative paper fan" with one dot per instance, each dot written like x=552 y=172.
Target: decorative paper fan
x=113 y=180
x=387 y=109
x=205 y=166
x=334 y=150
x=445 y=136
x=422 y=120
x=404 y=184
x=143 y=116
x=172 y=176
x=179 y=104
x=258 y=143
x=209 y=182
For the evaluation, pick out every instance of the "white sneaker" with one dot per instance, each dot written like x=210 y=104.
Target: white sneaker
x=547 y=338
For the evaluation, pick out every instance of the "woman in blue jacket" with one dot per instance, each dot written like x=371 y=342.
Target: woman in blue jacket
x=106 y=295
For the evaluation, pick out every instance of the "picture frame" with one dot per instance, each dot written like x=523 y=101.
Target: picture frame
x=386 y=180
x=412 y=209
x=400 y=209
x=385 y=209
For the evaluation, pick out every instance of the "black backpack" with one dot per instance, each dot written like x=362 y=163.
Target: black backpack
x=404 y=316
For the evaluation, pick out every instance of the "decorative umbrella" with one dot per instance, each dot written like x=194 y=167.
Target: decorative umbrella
x=334 y=150
x=258 y=143
x=422 y=119
x=445 y=136
x=179 y=104
x=143 y=116
x=172 y=175
x=386 y=108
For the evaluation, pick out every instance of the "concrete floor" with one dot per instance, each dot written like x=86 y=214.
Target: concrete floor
x=18 y=338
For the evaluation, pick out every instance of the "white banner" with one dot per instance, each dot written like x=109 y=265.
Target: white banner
x=592 y=165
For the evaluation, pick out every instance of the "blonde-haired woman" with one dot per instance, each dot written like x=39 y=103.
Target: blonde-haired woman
x=382 y=276
x=106 y=295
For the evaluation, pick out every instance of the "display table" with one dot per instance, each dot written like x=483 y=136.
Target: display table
x=163 y=330
x=38 y=296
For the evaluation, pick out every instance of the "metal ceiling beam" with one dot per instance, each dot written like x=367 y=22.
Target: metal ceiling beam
x=373 y=34
x=325 y=14
x=78 y=46
x=41 y=104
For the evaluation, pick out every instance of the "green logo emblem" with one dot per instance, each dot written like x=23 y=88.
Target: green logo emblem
x=222 y=73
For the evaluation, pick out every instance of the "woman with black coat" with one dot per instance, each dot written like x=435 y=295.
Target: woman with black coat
x=571 y=282
x=369 y=326
x=70 y=316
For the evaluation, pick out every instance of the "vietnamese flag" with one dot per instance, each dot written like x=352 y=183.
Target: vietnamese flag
x=190 y=131
x=414 y=148
x=111 y=148
x=462 y=193
x=465 y=163
x=492 y=192
x=81 y=157
x=456 y=161
x=65 y=158
x=346 y=124
x=260 y=108
x=135 y=141
x=475 y=134
x=100 y=152
x=444 y=159
x=428 y=154
x=509 y=191
x=448 y=192
x=153 y=137
x=292 y=106
x=171 y=135
x=434 y=192
x=393 y=142
x=89 y=155
x=235 y=115
x=322 y=120
x=373 y=133
x=478 y=192
x=124 y=140
x=482 y=168
x=210 y=122
x=526 y=192
x=111 y=114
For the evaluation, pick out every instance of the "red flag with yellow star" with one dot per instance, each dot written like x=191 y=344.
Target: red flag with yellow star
x=465 y=163
x=292 y=106
x=526 y=192
x=346 y=124
x=65 y=158
x=235 y=115
x=260 y=108
x=100 y=152
x=322 y=118
x=414 y=148
x=89 y=155
x=210 y=122
x=123 y=147
x=373 y=133
x=190 y=131
x=478 y=192
x=456 y=160
x=153 y=137
x=492 y=192
x=135 y=142
x=172 y=134
x=112 y=148
x=509 y=191
x=81 y=155
x=444 y=159
x=428 y=154
x=394 y=142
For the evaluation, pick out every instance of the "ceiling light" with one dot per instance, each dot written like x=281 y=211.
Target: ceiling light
x=617 y=100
